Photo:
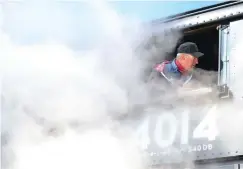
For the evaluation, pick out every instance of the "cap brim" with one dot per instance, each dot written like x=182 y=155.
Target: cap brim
x=197 y=54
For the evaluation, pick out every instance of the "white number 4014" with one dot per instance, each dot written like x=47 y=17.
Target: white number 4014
x=207 y=128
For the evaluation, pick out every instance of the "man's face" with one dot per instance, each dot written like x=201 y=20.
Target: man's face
x=188 y=61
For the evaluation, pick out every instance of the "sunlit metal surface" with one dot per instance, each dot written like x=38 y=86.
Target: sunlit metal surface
x=200 y=18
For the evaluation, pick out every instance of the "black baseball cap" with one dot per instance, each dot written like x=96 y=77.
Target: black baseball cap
x=190 y=48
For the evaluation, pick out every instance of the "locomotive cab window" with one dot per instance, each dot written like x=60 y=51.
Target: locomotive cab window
x=207 y=40
x=212 y=41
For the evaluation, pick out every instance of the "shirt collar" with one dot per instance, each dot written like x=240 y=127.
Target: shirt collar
x=172 y=67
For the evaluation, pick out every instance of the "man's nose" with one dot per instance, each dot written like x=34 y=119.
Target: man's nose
x=196 y=61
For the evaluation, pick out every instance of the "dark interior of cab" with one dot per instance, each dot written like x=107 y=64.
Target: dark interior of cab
x=207 y=40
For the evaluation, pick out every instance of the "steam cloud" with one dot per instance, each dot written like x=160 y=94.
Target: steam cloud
x=66 y=78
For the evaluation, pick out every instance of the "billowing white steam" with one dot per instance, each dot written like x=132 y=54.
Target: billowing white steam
x=66 y=76
x=63 y=70
x=96 y=149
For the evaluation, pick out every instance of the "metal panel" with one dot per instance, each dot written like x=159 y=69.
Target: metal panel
x=211 y=16
x=182 y=134
x=236 y=59
x=195 y=11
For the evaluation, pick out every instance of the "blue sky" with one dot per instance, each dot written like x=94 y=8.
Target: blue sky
x=149 y=10
x=76 y=23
